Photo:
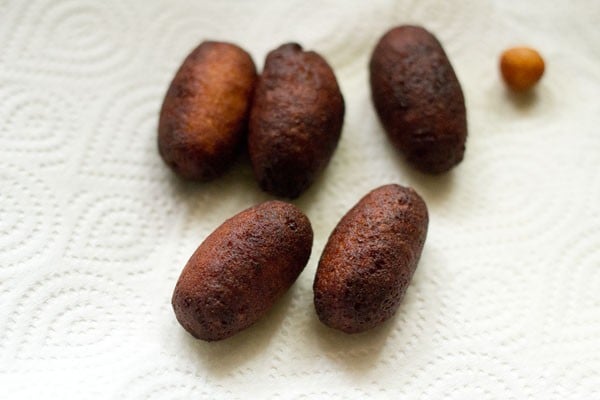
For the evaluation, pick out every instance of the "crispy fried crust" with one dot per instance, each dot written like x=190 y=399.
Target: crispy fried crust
x=296 y=120
x=241 y=269
x=204 y=114
x=370 y=259
x=419 y=99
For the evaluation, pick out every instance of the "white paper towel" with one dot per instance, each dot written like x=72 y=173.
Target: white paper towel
x=94 y=229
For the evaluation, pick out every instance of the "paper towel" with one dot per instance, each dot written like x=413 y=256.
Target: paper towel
x=94 y=230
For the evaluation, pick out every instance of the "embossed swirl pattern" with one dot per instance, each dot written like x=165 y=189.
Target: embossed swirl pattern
x=94 y=230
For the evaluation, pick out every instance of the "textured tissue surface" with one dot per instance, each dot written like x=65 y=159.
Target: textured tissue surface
x=94 y=229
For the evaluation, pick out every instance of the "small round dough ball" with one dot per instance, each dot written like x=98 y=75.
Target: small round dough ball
x=521 y=67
